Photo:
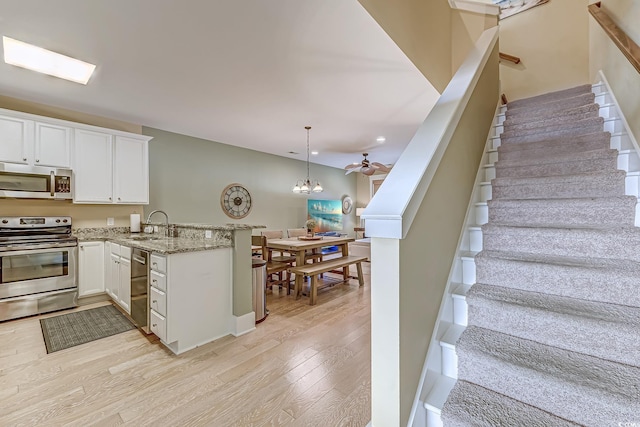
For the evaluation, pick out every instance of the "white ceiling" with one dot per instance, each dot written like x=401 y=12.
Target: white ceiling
x=250 y=73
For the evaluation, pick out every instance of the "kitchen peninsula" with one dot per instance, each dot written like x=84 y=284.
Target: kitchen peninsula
x=200 y=282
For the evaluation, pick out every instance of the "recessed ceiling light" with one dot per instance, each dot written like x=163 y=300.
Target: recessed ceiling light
x=315 y=153
x=44 y=61
x=381 y=139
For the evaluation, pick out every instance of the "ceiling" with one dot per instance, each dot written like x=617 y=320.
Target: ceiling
x=249 y=73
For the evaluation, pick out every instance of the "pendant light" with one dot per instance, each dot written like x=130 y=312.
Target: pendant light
x=304 y=186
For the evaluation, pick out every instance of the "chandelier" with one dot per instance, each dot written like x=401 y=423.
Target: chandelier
x=305 y=186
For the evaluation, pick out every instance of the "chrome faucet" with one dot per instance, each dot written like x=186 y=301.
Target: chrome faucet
x=165 y=216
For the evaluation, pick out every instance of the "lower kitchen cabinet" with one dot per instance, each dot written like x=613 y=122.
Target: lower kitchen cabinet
x=91 y=277
x=190 y=297
x=119 y=276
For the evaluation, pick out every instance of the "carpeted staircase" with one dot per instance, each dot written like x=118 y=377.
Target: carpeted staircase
x=553 y=335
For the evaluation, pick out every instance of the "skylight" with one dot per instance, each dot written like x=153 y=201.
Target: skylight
x=44 y=61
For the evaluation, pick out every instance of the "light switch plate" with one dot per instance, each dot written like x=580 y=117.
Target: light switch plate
x=208 y=234
x=110 y=221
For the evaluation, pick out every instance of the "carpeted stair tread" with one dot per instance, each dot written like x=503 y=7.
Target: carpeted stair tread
x=549 y=97
x=572 y=386
x=523 y=158
x=560 y=187
x=568 y=323
x=568 y=144
x=523 y=119
x=541 y=124
x=579 y=212
x=556 y=106
x=582 y=278
x=580 y=127
x=617 y=243
x=472 y=405
x=554 y=313
x=594 y=161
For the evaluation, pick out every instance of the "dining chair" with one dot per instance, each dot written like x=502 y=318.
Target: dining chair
x=315 y=255
x=283 y=257
x=279 y=270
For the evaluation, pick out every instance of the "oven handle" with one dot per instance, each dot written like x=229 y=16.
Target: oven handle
x=53 y=184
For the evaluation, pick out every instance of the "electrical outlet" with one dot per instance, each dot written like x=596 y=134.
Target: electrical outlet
x=208 y=234
x=110 y=221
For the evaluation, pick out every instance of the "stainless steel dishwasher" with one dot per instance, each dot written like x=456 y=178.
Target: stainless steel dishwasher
x=140 y=289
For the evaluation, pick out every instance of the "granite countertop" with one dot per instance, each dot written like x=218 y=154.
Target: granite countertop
x=159 y=244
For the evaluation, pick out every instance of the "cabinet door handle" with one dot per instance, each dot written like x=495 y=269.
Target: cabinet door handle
x=109 y=198
x=154 y=301
x=119 y=199
x=24 y=159
x=154 y=325
x=37 y=160
x=154 y=281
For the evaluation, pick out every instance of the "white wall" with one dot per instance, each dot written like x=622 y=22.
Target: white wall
x=552 y=42
x=187 y=176
x=604 y=55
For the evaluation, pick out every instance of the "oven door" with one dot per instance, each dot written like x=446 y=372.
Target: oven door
x=32 y=271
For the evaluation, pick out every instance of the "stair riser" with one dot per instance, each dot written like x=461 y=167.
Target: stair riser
x=561 y=95
x=523 y=119
x=578 y=126
x=535 y=137
x=557 y=191
x=618 y=244
x=571 y=168
x=558 y=330
x=550 y=108
x=575 y=281
x=579 y=216
x=548 y=124
x=567 y=145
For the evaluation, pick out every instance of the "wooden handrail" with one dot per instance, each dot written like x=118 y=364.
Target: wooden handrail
x=509 y=58
x=627 y=46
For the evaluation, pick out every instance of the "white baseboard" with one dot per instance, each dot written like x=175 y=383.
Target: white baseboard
x=243 y=324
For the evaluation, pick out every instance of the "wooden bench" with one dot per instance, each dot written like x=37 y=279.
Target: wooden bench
x=317 y=268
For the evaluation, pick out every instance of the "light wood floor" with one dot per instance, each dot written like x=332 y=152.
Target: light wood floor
x=303 y=366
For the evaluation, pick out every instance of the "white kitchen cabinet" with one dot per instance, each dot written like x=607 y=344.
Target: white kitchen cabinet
x=120 y=276
x=34 y=143
x=90 y=268
x=110 y=169
x=17 y=139
x=92 y=167
x=52 y=145
x=131 y=170
x=190 y=299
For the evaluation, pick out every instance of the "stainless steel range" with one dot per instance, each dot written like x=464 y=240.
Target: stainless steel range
x=38 y=266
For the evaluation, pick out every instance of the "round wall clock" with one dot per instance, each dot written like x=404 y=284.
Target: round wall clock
x=347 y=205
x=235 y=201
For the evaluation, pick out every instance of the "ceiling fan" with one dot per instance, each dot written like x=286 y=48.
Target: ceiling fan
x=366 y=167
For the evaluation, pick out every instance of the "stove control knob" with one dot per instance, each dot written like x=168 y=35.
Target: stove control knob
x=58 y=220
x=4 y=221
x=64 y=220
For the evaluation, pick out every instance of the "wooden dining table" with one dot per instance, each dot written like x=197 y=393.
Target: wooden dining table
x=299 y=247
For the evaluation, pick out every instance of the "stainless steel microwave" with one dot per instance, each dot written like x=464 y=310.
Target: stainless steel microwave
x=35 y=182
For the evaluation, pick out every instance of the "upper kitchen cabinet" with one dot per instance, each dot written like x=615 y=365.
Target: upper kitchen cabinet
x=111 y=168
x=33 y=143
x=92 y=167
x=131 y=170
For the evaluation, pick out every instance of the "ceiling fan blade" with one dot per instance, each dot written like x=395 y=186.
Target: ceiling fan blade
x=351 y=166
x=381 y=167
x=368 y=171
x=351 y=170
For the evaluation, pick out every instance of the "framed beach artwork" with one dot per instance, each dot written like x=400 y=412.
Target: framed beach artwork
x=326 y=213
x=511 y=7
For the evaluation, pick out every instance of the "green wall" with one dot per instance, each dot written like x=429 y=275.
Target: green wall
x=187 y=176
